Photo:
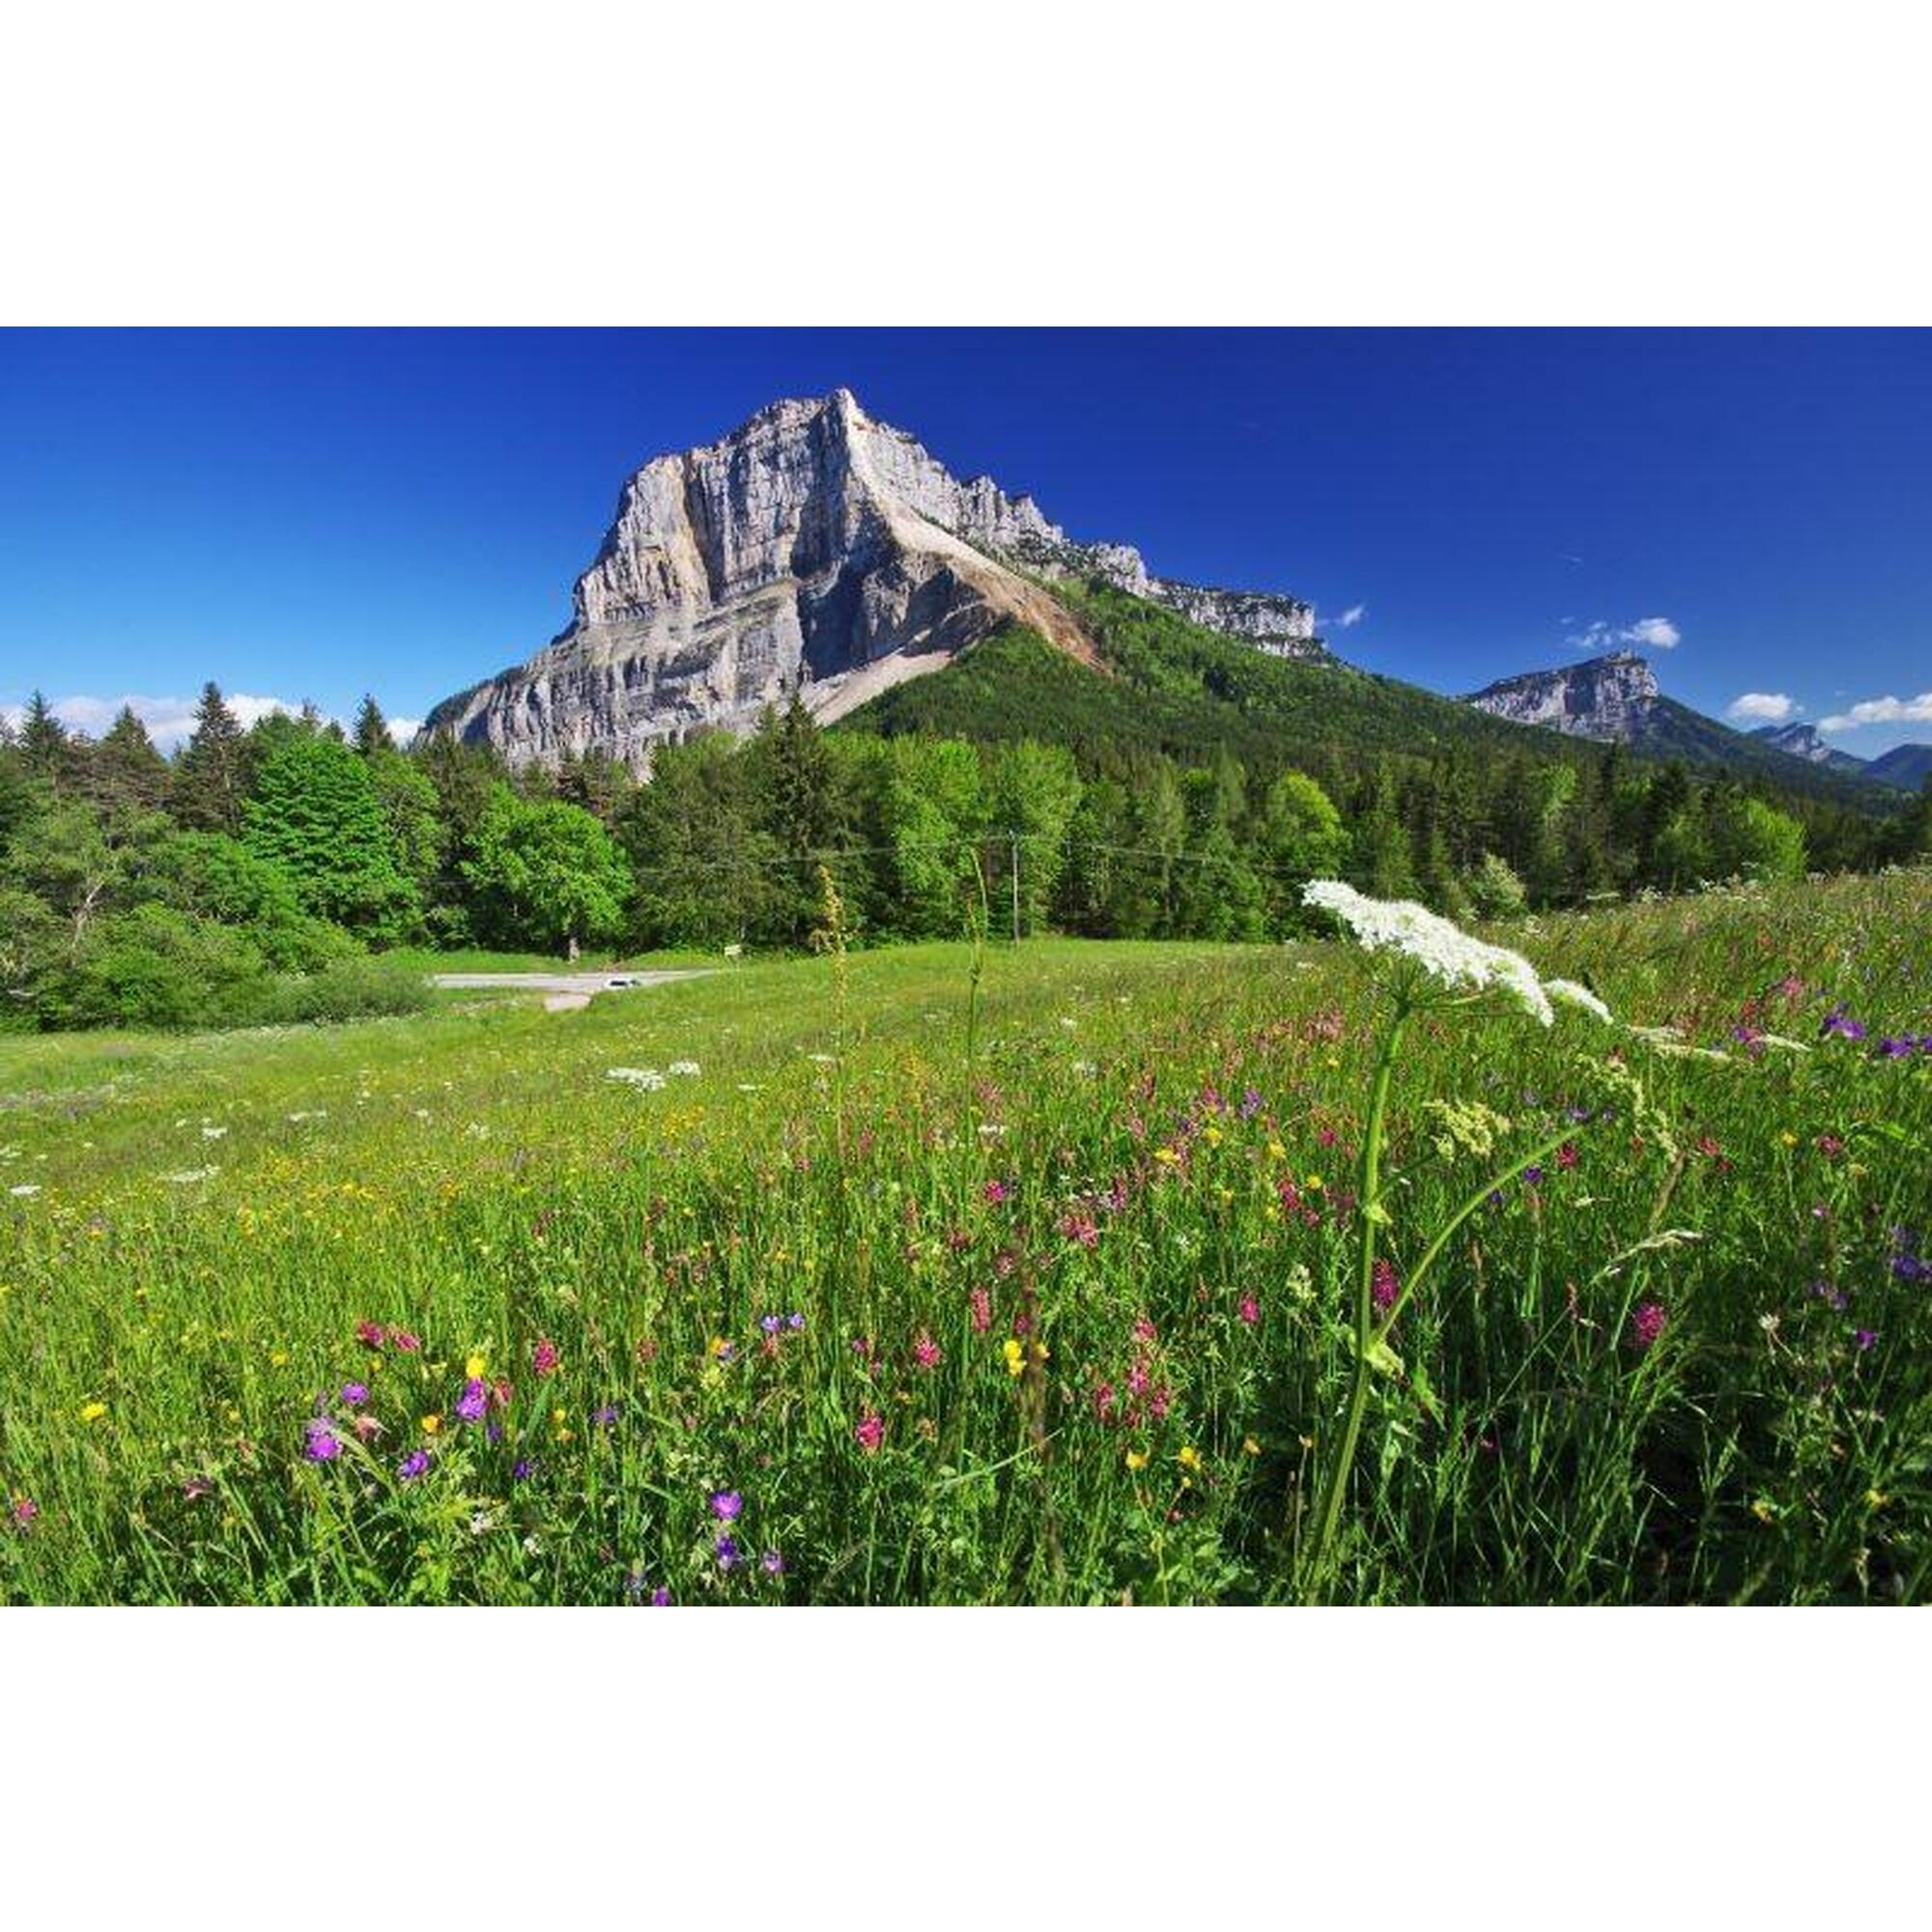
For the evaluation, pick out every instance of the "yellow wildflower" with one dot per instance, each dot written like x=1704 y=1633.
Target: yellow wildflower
x=1788 y=1137
x=1249 y=1446
x=93 y=1412
x=1015 y=1356
x=278 y=1358
x=431 y=1424
x=1276 y=1152
x=1137 y=1458
x=1313 y=1183
x=1167 y=1156
x=474 y=1367
x=1189 y=1457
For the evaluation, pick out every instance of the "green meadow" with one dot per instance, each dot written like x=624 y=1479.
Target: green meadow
x=1027 y=1274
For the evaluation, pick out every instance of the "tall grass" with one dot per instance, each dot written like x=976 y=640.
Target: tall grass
x=1077 y=1324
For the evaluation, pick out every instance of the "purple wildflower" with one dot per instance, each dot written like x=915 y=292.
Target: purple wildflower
x=474 y=1400
x=1837 y=1022
x=322 y=1445
x=355 y=1394
x=771 y=1324
x=1532 y=1177
x=728 y=1554
x=661 y=1598
x=1896 y=1047
x=1865 y=1337
x=605 y=1417
x=726 y=1505
x=794 y=1321
x=772 y=1563
x=523 y=1469
x=1251 y=1104
x=413 y=1464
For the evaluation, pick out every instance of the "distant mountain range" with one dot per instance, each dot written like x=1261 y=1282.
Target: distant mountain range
x=818 y=550
x=1616 y=699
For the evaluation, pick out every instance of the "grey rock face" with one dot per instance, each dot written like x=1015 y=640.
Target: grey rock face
x=1608 y=697
x=1802 y=741
x=813 y=549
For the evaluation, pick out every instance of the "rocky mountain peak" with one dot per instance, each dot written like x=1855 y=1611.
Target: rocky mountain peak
x=813 y=549
x=1608 y=697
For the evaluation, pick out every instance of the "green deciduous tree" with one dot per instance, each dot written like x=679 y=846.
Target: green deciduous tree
x=316 y=814
x=544 y=872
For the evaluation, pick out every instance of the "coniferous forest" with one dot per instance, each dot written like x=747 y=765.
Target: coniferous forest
x=261 y=875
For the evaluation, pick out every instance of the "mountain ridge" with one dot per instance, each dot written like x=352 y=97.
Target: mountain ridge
x=811 y=549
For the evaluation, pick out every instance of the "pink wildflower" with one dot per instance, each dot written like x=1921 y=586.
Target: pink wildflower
x=544 y=1357
x=995 y=1191
x=925 y=1350
x=1250 y=1309
x=1383 y=1285
x=870 y=1432
x=1647 y=1324
x=983 y=1311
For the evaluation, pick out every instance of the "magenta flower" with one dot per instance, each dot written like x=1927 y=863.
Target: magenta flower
x=661 y=1598
x=408 y=1343
x=1647 y=1324
x=925 y=1350
x=1383 y=1285
x=25 y=1510
x=870 y=1432
x=726 y=1505
x=995 y=1191
x=544 y=1357
x=983 y=1311
x=1250 y=1309
x=371 y=1332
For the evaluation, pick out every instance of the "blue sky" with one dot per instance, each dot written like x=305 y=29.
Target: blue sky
x=316 y=514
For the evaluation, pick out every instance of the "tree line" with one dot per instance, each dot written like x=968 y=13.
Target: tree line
x=262 y=874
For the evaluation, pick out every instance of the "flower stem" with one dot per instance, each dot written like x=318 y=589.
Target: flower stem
x=1369 y=1208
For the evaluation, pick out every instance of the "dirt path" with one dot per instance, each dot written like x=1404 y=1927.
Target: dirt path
x=575 y=986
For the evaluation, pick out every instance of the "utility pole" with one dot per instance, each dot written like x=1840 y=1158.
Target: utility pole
x=1014 y=839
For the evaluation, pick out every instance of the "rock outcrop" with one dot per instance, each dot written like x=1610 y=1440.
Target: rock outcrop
x=1608 y=697
x=811 y=549
x=1802 y=741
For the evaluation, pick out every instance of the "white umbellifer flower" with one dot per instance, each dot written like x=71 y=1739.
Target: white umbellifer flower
x=1442 y=948
x=685 y=1068
x=647 y=1079
x=1572 y=994
x=24 y=1192
x=188 y=1175
x=212 y=1133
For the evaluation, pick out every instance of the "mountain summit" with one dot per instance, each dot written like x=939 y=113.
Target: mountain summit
x=1609 y=697
x=813 y=549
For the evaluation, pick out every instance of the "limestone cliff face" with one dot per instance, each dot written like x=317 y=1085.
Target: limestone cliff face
x=1608 y=697
x=813 y=549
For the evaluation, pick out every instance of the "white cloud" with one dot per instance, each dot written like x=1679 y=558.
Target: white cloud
x=1656 y=634
x=1348 y=618
x=169 y=719
x=1768 y=707
x=1882 y=711
x=403 y=729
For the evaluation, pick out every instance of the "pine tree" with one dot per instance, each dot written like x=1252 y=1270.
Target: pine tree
x=371 y=729
x=210 y=773
x=125 y=773
x=43 y=745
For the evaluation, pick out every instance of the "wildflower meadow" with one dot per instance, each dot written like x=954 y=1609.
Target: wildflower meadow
x=1586 y=1262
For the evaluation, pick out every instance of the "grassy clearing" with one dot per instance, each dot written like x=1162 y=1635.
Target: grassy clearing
x=844 y=1315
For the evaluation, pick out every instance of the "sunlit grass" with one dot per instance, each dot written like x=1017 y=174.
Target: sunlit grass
x=1075 y=1316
